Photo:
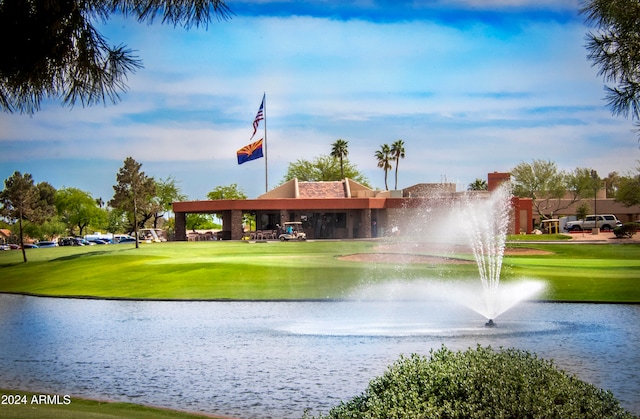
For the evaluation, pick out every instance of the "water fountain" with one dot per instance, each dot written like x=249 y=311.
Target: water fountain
x=276 y=359
x=475 y=223
x=486 y=222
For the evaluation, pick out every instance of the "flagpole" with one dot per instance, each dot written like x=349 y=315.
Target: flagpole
x=266 y=166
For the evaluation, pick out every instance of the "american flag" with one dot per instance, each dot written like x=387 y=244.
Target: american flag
x=259 y=117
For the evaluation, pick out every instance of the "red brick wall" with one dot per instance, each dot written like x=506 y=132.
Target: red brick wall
x=495 y=179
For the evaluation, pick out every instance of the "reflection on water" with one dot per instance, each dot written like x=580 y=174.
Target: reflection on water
x=276 y=359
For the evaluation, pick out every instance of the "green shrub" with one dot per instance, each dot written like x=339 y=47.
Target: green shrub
x=480 y=383
x=626 y=230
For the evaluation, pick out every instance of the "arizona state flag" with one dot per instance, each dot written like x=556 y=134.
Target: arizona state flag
x=250 y=152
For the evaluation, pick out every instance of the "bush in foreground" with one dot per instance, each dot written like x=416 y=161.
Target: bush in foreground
x=480 y=383
x=626 y=230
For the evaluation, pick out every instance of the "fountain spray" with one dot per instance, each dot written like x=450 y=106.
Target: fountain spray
x=488 y=222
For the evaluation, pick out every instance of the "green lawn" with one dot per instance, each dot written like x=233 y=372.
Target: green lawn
x=204 y=270
x=538 y=237
x=583 y=272
x=297 y=270
x=26 y=405
x=280 y=271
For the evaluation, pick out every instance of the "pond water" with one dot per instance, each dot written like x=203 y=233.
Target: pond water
x=276 y=359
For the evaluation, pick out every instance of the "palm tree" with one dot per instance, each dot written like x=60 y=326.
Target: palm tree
x=384 y=161
x=340 y=150
x=397 y=153
x=477 y=185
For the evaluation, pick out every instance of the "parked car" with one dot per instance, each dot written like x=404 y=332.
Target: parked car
x=106 y=237
x=46 y=243
x=74 y=241
x=29 y=246
x=100 y=241
x=125 y=239
x=70 y=241
x=605 y=222
x=5 y=247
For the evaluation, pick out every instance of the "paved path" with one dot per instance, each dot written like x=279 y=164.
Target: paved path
x=604 y=236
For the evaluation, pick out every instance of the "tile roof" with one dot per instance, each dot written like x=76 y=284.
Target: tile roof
x=334 y=189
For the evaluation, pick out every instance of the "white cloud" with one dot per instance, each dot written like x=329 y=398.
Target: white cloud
x=510 y=4
x=467 y=99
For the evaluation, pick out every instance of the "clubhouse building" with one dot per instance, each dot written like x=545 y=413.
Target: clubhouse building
x=344 y=210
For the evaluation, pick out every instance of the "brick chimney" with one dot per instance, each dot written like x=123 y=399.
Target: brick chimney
x=495 y=179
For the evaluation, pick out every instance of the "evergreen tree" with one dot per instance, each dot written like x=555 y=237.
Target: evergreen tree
x=133 y=194
x=51 y=49
x=615 y=49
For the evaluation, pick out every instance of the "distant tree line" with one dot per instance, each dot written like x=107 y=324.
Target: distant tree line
x=553 y=190
x=39 y=211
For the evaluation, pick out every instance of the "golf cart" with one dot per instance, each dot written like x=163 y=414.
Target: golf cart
x=292 y=231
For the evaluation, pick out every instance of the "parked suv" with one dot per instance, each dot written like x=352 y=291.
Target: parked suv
x=605 y=222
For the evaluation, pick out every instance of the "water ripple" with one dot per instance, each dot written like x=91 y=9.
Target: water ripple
x=262 y=360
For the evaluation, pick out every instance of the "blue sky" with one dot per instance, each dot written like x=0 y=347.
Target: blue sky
x=471 y=86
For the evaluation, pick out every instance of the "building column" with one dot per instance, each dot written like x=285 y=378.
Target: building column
x=236 y=225
x=180 y=228
x=365 y=219
x=523 y=208
x=350 y=224
x=225 y=234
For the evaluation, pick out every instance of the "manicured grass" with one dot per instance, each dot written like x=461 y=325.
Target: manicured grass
x=280 y=271
x=298 y=270
x=32 y=406
x=205 y=270
x=582 y=272
x=538 y=237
